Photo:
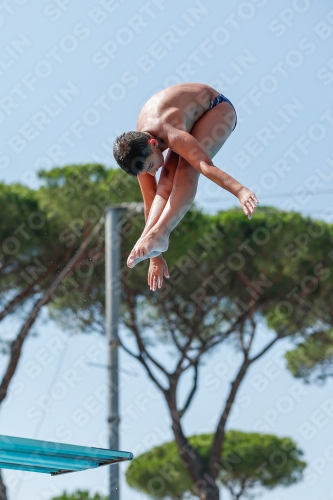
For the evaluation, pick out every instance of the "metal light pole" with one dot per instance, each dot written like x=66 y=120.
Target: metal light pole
x=112 y=286
x=112 y=297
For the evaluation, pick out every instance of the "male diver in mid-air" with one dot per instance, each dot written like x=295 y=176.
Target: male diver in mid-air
x=192 y=121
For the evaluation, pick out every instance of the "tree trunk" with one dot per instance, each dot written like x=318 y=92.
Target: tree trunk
x=208 y=491
x=3 y=492
x=204 y=485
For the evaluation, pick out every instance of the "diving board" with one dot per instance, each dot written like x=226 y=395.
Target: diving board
x=54 y=458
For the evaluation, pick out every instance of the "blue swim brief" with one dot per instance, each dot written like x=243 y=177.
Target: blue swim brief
x=221 y=98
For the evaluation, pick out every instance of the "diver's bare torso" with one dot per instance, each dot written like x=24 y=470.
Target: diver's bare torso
x=177 y=107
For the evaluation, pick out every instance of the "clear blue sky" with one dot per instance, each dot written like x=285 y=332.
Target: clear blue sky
x=74 y=75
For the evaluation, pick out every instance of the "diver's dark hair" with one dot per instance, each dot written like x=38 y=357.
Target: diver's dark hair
x=131 y=150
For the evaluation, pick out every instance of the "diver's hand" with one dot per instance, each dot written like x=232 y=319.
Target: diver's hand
x=248 y=201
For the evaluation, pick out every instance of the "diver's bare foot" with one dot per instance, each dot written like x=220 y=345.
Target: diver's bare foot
x=148 y=247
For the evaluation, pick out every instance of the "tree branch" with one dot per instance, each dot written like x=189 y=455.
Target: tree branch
x=283 y=333
x=254 y=326
x=184 y=356
x=265 y=349
x=220 y=432
x=134 y=327
x=16 y=345
x=215 y=453
x=18 y=298
x=143 y=362
x=24 y=293
x=190 y=396
x=171 y=327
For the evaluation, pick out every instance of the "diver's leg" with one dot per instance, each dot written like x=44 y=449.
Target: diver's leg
x=211 y=130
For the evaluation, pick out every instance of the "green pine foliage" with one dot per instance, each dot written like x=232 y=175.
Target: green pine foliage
x=80 y=495
x=312 y=358
x=249 y=462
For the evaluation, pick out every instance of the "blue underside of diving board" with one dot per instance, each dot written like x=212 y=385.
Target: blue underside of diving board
x=54 y=458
